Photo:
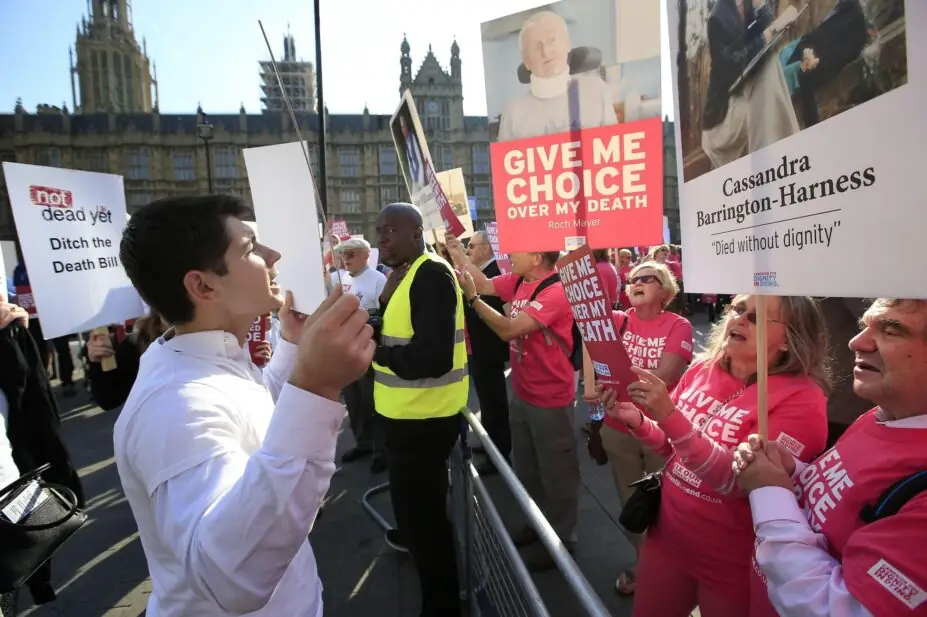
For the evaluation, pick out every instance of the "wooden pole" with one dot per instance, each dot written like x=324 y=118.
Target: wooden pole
x=762 y=368
x=108 y=363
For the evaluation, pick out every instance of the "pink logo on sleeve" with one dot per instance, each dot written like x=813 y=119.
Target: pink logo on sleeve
x=898 y=584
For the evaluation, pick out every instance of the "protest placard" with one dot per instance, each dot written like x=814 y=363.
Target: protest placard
x=574 y=101
x=257 y=334
x=793 y=168
x=593 y=314
x=455 y=189
x=4 y=295
x=418 y=170
x=340 y=229
x=286 y=210
x=69 y=225
x=502 y=259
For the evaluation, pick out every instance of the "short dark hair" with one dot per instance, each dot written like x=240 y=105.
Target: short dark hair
x=550 y=258
x=170 y=237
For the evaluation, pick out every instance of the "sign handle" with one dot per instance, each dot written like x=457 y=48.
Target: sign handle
x=588 y=374
x=762 y=368
x=108 y=363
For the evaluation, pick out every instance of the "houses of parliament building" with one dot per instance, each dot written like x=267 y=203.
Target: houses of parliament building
x=115 y=126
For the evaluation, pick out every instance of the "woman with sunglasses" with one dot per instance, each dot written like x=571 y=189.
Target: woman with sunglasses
x=701 y=545
x=658 y=340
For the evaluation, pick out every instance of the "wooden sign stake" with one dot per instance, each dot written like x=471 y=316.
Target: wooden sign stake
x=762 y=368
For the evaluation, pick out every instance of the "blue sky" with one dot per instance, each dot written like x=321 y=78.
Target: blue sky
x=207 y=51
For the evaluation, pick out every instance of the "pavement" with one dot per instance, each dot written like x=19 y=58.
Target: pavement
x=101 y=571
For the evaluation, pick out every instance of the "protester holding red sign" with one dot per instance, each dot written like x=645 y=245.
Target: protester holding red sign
x=659 y=341
x=540 y=332
x=701 y=544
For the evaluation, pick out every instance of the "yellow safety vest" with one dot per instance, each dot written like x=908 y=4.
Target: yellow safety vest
x=435 y=397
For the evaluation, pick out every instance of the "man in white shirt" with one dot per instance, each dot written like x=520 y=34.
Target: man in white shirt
x=556 y=101
x=367 y=284
x=225 y=466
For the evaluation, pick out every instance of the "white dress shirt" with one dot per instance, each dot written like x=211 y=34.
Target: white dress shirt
x=223 y=484
x=802 y=578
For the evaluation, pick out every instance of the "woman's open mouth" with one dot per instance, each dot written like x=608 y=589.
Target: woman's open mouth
x=734 y=335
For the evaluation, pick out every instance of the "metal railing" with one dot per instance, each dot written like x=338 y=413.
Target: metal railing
x=495 y=580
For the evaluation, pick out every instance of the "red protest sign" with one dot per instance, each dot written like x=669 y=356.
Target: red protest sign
x=451 y=223
x=603 y=184
x=257 y=335
x=340 y=229
x=595 y=320
x=25 y=300
x=502 y=259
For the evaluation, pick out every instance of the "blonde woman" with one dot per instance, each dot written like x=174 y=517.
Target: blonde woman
x=657 y=340
x=700 y=549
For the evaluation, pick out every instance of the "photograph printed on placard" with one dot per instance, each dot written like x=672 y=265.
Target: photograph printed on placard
x=567 y=66
x=411 y=147
x=753 y=72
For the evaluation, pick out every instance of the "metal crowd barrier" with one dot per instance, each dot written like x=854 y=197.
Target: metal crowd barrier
x=493 y=575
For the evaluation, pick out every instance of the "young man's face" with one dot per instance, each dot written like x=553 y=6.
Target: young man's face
x=248 y=289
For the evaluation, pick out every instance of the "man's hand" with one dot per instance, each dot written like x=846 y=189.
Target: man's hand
x=10 y=313
x=262 y=352
x=99 y=346
x=757 y=466
x=809 y=61
x=335 y=347
x=456 y=250
x=291 y=322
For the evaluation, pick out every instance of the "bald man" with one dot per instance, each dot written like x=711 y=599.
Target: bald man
x=420 y=385
x=556 y=101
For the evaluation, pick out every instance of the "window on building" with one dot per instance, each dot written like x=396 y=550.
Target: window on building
x=137 y=199
x=225 y=162
x=349 y=160
x=350 y=201
x=389 y=194
x=483 y=194
x=95 y=160
x=481 y=159
x=48 y=157
x=388 y=163
x=184 y=166
x=444 y=158
x=138 y=165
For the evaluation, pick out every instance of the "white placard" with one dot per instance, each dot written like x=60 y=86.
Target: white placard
x=69 y=225
x=455 y=189
x=285 y=207
x=775 y=200
x=4 y=295
x=374 y=258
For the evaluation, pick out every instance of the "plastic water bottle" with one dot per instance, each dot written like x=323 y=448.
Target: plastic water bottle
x=596 y=412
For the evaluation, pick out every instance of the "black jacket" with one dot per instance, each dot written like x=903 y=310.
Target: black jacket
x=34 y=428
x=111 y=389
x=485 y=345
x=733 y=41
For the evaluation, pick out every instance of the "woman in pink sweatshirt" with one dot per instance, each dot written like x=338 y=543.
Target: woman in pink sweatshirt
x=700 y=550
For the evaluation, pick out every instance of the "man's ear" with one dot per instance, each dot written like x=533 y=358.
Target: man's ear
x=200 y=286
x=417 y=233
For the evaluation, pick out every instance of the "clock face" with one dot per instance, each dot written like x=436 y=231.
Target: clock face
x=432 y=107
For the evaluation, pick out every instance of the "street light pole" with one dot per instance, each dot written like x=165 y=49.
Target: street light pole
x=204 y=131
x=323 y=138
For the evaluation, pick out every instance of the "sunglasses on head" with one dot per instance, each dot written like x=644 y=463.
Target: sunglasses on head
x=645 y=279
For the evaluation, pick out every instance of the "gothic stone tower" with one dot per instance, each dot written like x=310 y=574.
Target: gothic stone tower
x=114 y=73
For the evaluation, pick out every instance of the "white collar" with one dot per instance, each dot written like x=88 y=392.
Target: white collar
x=209 y=343
x=910 y=422
x=550 y=87
x=486 y=265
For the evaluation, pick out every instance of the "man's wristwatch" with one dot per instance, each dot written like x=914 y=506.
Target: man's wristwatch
x=472 y=301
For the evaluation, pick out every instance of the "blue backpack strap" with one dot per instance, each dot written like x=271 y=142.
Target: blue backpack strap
x=896 y=497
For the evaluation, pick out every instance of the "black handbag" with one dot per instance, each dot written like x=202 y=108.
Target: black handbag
x=642 y=507
x=36 y=518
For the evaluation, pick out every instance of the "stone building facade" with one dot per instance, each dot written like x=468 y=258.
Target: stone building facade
x=160 y=155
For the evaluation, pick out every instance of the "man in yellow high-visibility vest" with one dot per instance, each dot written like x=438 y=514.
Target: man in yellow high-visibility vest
x=420 y=386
